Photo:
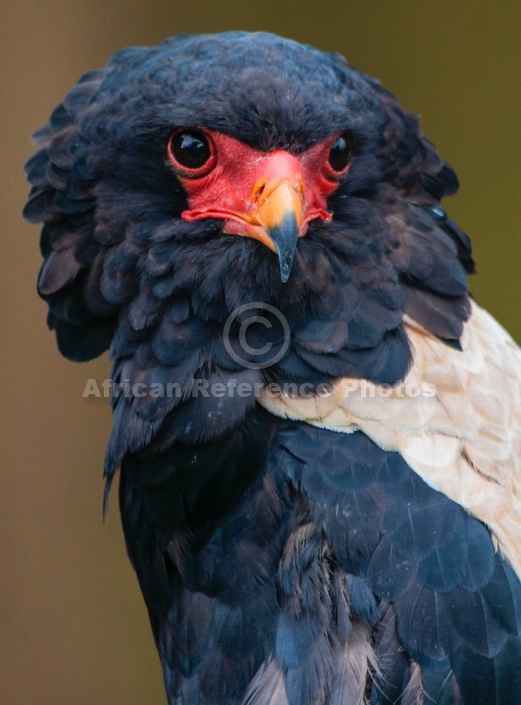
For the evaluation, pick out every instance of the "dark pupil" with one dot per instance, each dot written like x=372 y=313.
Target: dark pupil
x=190 y=149
x=340 y=154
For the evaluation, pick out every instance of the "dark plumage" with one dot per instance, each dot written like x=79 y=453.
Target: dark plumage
x=281 y=563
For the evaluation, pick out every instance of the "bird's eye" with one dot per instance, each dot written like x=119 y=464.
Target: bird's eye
x=339 y=154
x=192 y=151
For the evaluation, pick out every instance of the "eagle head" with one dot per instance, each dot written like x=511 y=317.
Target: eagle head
x=185 y=181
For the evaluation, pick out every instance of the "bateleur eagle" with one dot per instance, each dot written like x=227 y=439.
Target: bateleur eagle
x=317 y=428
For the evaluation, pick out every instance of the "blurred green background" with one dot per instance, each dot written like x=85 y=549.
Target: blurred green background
x=73 y=628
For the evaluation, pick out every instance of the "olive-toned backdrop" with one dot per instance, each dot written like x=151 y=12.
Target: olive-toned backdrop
x=73 y=628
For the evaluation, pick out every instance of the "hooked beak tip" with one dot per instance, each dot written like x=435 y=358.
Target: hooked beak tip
x=284 y=236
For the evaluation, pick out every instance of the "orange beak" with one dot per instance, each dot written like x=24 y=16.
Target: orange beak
x=274 y=216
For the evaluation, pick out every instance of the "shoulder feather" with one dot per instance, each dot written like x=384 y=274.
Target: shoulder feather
x=456 y=420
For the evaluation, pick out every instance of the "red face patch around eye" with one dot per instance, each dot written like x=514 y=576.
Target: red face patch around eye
x=224 y=177
x=270 y=197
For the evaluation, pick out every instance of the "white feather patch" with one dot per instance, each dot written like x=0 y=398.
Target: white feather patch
x=413 y=693
x=354 y=662
x=267 y=686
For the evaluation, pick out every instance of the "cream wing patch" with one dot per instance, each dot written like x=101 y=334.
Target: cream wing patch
x=456 y=419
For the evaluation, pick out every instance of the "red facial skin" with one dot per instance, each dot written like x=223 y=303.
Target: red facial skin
x=252 y=191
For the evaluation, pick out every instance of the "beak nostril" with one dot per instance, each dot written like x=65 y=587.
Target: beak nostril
x=259 y=190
